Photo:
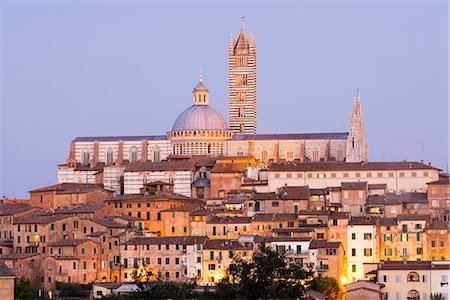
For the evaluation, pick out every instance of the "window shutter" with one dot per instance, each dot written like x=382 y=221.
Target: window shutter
x=407 y=237
x=401 y=237
x=385 y=240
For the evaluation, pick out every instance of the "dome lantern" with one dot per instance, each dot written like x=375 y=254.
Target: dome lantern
x=201 y=92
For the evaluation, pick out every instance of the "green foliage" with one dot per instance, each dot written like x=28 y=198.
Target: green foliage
x=141 y=276
x=23 y=290
x=72 y=290
x=163 y=290
x=266 y=276
x=114 y=297
x=326 y=285
x=437 y=296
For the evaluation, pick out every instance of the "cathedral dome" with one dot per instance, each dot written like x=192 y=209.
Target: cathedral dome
x=200 y=117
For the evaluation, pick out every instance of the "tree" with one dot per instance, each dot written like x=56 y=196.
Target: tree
x=141 y=276
x=24 y=290
x=326 y=285
x=268 y=276
x=437 y=296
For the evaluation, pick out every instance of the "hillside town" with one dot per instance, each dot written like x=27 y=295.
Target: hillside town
x=185 y=203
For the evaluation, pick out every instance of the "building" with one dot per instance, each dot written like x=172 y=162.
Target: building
x=201 y=130
x=6 y=282
x=413 y=279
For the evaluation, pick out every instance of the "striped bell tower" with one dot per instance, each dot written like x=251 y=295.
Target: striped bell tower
x=242 y=72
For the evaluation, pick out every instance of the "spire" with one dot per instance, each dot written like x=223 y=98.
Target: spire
x=242 y=40
x=201 y=93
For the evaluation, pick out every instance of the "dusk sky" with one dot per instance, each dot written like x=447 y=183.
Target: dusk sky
x=94 y=68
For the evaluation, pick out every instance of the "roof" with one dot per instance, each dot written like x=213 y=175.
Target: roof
x=413 y=217
x=362 y=285
x=119 y=138
x=339 y=215
x=316 y=244
x=200 y=117
x=316 y=295
x=274 y=217
x=264 y=196
x=443 y=180
x=294 y=192
x=410 y=197
x=12 y=209
x=70 y=188
x=77 y=209
x=388 y=221
x=229 y=168
x=227 y=244
x=271 y=239
x=377 y=186
x=362 y=185
x=291 y=136
x=366 y=220
x=4 y=270
x=41 y=219
x=230 y=220
x=109 y=222
x=107 y=285
x=438 y=225
x=72 y=242
x=164 y=240
x=349 y=166
x=413 y=265
x=178 y=165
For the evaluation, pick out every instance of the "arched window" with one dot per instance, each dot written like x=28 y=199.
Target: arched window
x=413 y=277
x=289 y=154
x=413 y=295
x=156 y=154
x=109 y=157
x=264 y=156
x=133 y=154
x=85 y=156
x=315 y=153
x=340 y=153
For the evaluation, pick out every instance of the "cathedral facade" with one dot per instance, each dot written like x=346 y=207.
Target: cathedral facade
x=201 y=130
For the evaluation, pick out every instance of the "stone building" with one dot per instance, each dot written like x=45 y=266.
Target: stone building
x=201 y=130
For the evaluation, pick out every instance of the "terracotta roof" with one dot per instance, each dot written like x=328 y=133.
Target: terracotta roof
x=70 y=188
x=363 y=285
x=339 y=215
x=5 y=271
x=366 y=220
x=413 y=265
x=316 y=244
x=409 y=197
x=41 y=219
x=109 y=222
x=316 y=192
x=388 y=221
x=377 y=186
x=230 y=220
x=294 y=192
x=264 y=196
x=76 y=209
x=443 y=180
x=270 y=239
x=438 y=225
x=350 y=166
x=119 y=138
x=229 y=168
x=413 y=217
x=181 y=165
x=226 y=244
x=12 y=209
x=354 y=185
x=165 y=240
x=274 y=217
x=291 y=136
x=72 y=242
x=375 y=200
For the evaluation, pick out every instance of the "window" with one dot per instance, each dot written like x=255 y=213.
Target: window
x=109 y=157
x=367 y=236
x=85 y=156
x=275 y=204
x=177 y=260
x=159 y=261
x=419 y=251
x=433 y=244
x=133 y=154
x=353 y=268
x=387 y=251
x=441 y=244
x=345 y=175
x=82 y=250
x=380 y=174
x=353 y=236
x=367 y=251
x=167 y=261
x=391 y=174
x=402 y=174
x=156 y=154
x=315 y=153
x=211 y=255
x=425 y=174
x=353 y=251
x=357 y=175
x=211 y=267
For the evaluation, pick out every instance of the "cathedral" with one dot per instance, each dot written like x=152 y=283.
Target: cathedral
x=202 y=130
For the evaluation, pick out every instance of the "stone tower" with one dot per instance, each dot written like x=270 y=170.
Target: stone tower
x=357 y=149
x=242 y=68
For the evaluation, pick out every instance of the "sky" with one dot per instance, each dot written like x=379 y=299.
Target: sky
x=102 y=68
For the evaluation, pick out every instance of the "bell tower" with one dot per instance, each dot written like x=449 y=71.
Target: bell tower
x=357 y=149
x=242 y=81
